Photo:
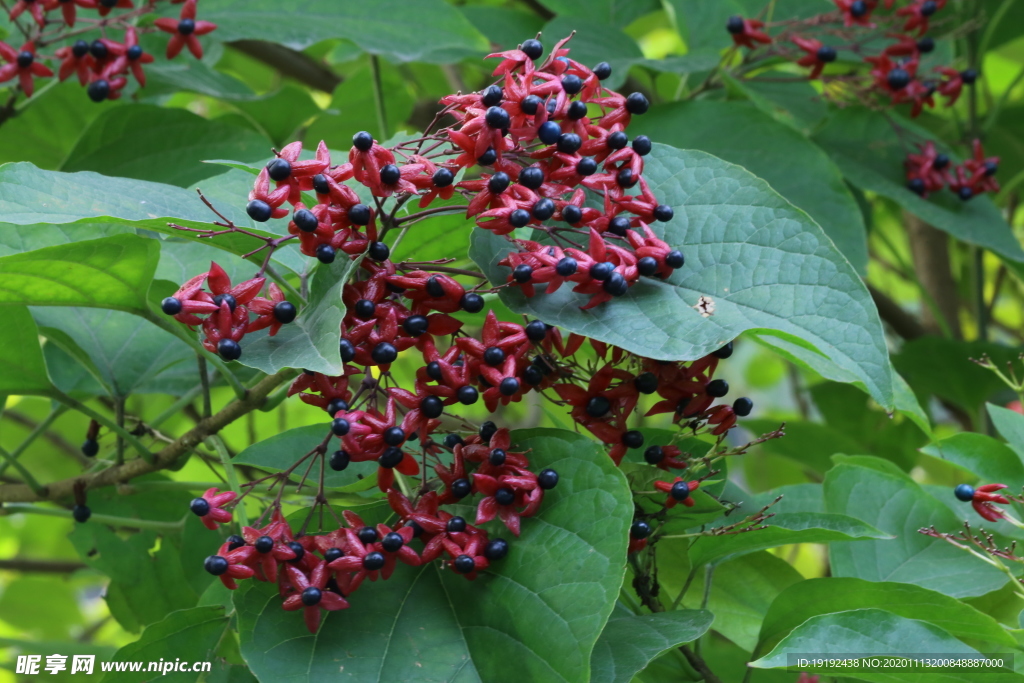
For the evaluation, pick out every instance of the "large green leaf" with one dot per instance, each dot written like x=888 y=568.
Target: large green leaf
x=784 y=528
x=1010 y=424
x=613 y=12
x=128 y=354
x=943 y=367
x=532 y=616
x=432 y=31
x=741 y=590
x=980 y=455
x=163 y=145
x=35 y=198
x=15 y=239
x=193 y=634
x=311 y=341
x=22 y=369
x=281 y=451
x=794 y=166
x=630 y=641
x=763 y=263
x=877 y=166
x=111 y=272
x=144 y=588
x=813 y=597
x=48 y=125
x=876 y=492
x=878 y=633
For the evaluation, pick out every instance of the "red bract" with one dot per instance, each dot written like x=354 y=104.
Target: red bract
x=311 y=594
x=678 y=491
x=217 y=514
x=23 y=65
x=747 y=32
x=184 y=30
x=984 y=501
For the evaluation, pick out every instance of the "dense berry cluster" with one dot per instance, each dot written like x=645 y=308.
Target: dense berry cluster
x=228 y=309
x=103 y=65
x=894 y=76
x=545 y=137
x=930 y=171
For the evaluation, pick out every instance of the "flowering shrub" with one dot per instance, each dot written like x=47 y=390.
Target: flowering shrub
x=443 y=325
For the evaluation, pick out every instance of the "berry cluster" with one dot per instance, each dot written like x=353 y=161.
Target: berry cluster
x=893 y=76
x=541 y=153
x=103 y=65
x=228 y=309
x=930 y=171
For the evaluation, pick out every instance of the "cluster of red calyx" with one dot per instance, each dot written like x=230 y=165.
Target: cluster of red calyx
x=103 y=65
x=317 y=572
x=894 y=70
x=930 y=171
x=227 y=309
x=894 y=75
x=984 y=499
x=541 y=150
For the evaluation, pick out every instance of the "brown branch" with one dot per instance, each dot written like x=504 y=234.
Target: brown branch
x=698 y=663
x=902 y=323
x=290 y=63
x=20 y=493
x=930 y=249
x=25 y=564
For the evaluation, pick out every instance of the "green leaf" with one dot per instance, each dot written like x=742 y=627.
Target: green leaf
x=435 y=32
x=793 y=103
x=311 y=341
x=629 y=641
x=878 y=167
x=813 y=597
x=763 y=263
x=595 y=41
x=280 y=452
x=878 y=633
x=353 y=108
x=22 y=369
x=532 y=616
x=193 y=634
x=874 y=491
x=613 y=12
x=144 y=588
x=742 y=589
x=1010 y=424
x=112 y=272
x=16 y=239
x=505 y=27
x=795 y=167
x=784 y=528
x=279 y=115
x=981 y=456
x=197 y=77
x=163 y=145
x=129 y=354
x=943 y=367
x=48 y=125
x=37 y=198
x=29 y=195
